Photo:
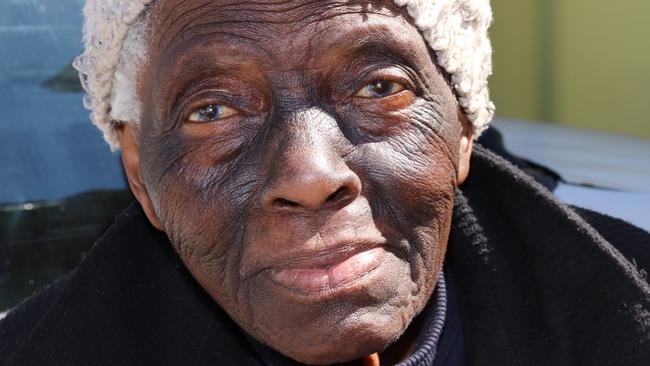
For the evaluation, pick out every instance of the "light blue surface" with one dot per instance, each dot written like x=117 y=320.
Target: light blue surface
x=581 y=156
x=633 y=207
x=603 y=172
x=38 y=37
x=49 y=149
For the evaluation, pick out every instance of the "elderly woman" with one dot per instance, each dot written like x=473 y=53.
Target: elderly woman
x=302 y=172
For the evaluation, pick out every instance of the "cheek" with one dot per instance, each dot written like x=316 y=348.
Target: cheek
x=413 y=196
x=414 y=171
x=203 y=209
x=411 y=180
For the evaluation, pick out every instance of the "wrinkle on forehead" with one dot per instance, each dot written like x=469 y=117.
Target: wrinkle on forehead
x=258 y=21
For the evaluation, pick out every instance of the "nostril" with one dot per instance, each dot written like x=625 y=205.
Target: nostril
x=284 y=203
x=310 y=193
x=340 y=193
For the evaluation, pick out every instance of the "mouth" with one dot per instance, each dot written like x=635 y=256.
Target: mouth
x=319 y=276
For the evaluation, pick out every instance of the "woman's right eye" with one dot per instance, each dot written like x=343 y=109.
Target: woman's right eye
x=211 y=113
x=380 y=88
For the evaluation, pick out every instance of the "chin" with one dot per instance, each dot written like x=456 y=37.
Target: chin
x=345 y=327
x=348 y=341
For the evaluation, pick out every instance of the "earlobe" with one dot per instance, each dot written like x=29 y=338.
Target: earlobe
x=466 y=144
x=127 y=135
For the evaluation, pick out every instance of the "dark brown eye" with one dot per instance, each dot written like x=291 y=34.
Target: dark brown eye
x=380 y=88
x=211 y=113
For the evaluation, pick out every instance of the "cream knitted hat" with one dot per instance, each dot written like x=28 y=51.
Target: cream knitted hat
x=455 y=29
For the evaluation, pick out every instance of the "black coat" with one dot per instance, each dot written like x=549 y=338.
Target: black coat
x=537 y=283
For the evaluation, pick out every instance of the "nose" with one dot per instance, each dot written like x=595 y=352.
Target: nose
x=308 y=175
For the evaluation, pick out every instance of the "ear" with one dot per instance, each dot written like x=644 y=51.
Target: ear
x=128 y=138
x=465 y=148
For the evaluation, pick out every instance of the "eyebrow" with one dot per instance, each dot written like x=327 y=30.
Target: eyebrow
x=379 y=43
x=379 y=48
x=209 y=40
x=207 y=54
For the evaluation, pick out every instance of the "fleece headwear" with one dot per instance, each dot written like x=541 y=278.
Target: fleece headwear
x=456 y=30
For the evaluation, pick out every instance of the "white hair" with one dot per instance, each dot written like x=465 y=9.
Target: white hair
x=124 y=100
x=115 y=38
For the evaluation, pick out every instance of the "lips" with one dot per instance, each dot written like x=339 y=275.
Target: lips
x=318 y=275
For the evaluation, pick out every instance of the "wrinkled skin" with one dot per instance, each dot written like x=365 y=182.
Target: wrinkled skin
x=304 y=167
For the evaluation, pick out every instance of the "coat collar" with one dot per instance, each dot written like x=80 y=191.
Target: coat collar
x=539 y=286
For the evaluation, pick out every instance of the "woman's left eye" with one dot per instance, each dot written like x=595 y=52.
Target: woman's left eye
x=380 y=88
x=211 y=113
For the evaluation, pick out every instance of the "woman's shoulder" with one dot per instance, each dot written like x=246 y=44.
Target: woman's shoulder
x=19 y=323
x=130 y=301
x=633 y=242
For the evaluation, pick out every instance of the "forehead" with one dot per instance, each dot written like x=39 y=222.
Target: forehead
x=294 y=30
x=266 y=18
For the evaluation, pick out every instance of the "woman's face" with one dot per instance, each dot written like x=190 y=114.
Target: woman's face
x=302 y=157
